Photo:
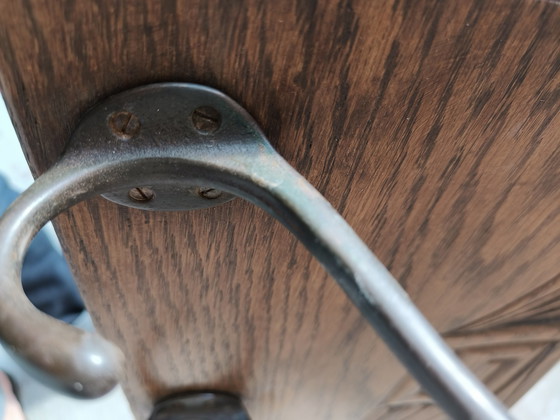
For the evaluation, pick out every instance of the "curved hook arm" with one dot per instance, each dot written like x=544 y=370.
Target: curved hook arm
x=90 y=366
x=237 y=159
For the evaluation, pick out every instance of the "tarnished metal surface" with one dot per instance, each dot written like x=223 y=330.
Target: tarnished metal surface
x=156 y=139
x=200 y=406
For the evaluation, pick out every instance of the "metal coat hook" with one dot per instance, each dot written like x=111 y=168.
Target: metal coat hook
x=182 y=146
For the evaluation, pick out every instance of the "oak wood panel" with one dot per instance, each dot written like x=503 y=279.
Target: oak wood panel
x=432 y=126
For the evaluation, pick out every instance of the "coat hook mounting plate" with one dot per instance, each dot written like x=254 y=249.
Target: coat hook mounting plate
x=134 y=123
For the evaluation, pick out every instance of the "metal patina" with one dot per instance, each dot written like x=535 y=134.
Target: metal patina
x=200 y=406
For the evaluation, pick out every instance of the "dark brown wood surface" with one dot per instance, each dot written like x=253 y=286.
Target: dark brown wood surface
x=432 y=126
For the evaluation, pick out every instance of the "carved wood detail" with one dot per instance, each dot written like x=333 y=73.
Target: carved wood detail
x=503 y=348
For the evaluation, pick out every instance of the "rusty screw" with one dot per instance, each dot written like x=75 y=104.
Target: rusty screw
x=209 y=193
x=141 y=194
x=124 y=124
x=206 y=119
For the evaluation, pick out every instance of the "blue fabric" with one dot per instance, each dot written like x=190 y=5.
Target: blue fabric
x=46 y=278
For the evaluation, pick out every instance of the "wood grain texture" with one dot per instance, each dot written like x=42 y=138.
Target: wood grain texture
x=432 y=126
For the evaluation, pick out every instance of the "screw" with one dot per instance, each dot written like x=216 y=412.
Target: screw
x=141 y=194
x=209 y=193
x=206 y=119
x=124 y=124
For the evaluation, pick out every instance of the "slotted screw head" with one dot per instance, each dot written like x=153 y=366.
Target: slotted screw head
x=141 y=194
x=124 y=124
x=209 y=193
x=206 y=119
